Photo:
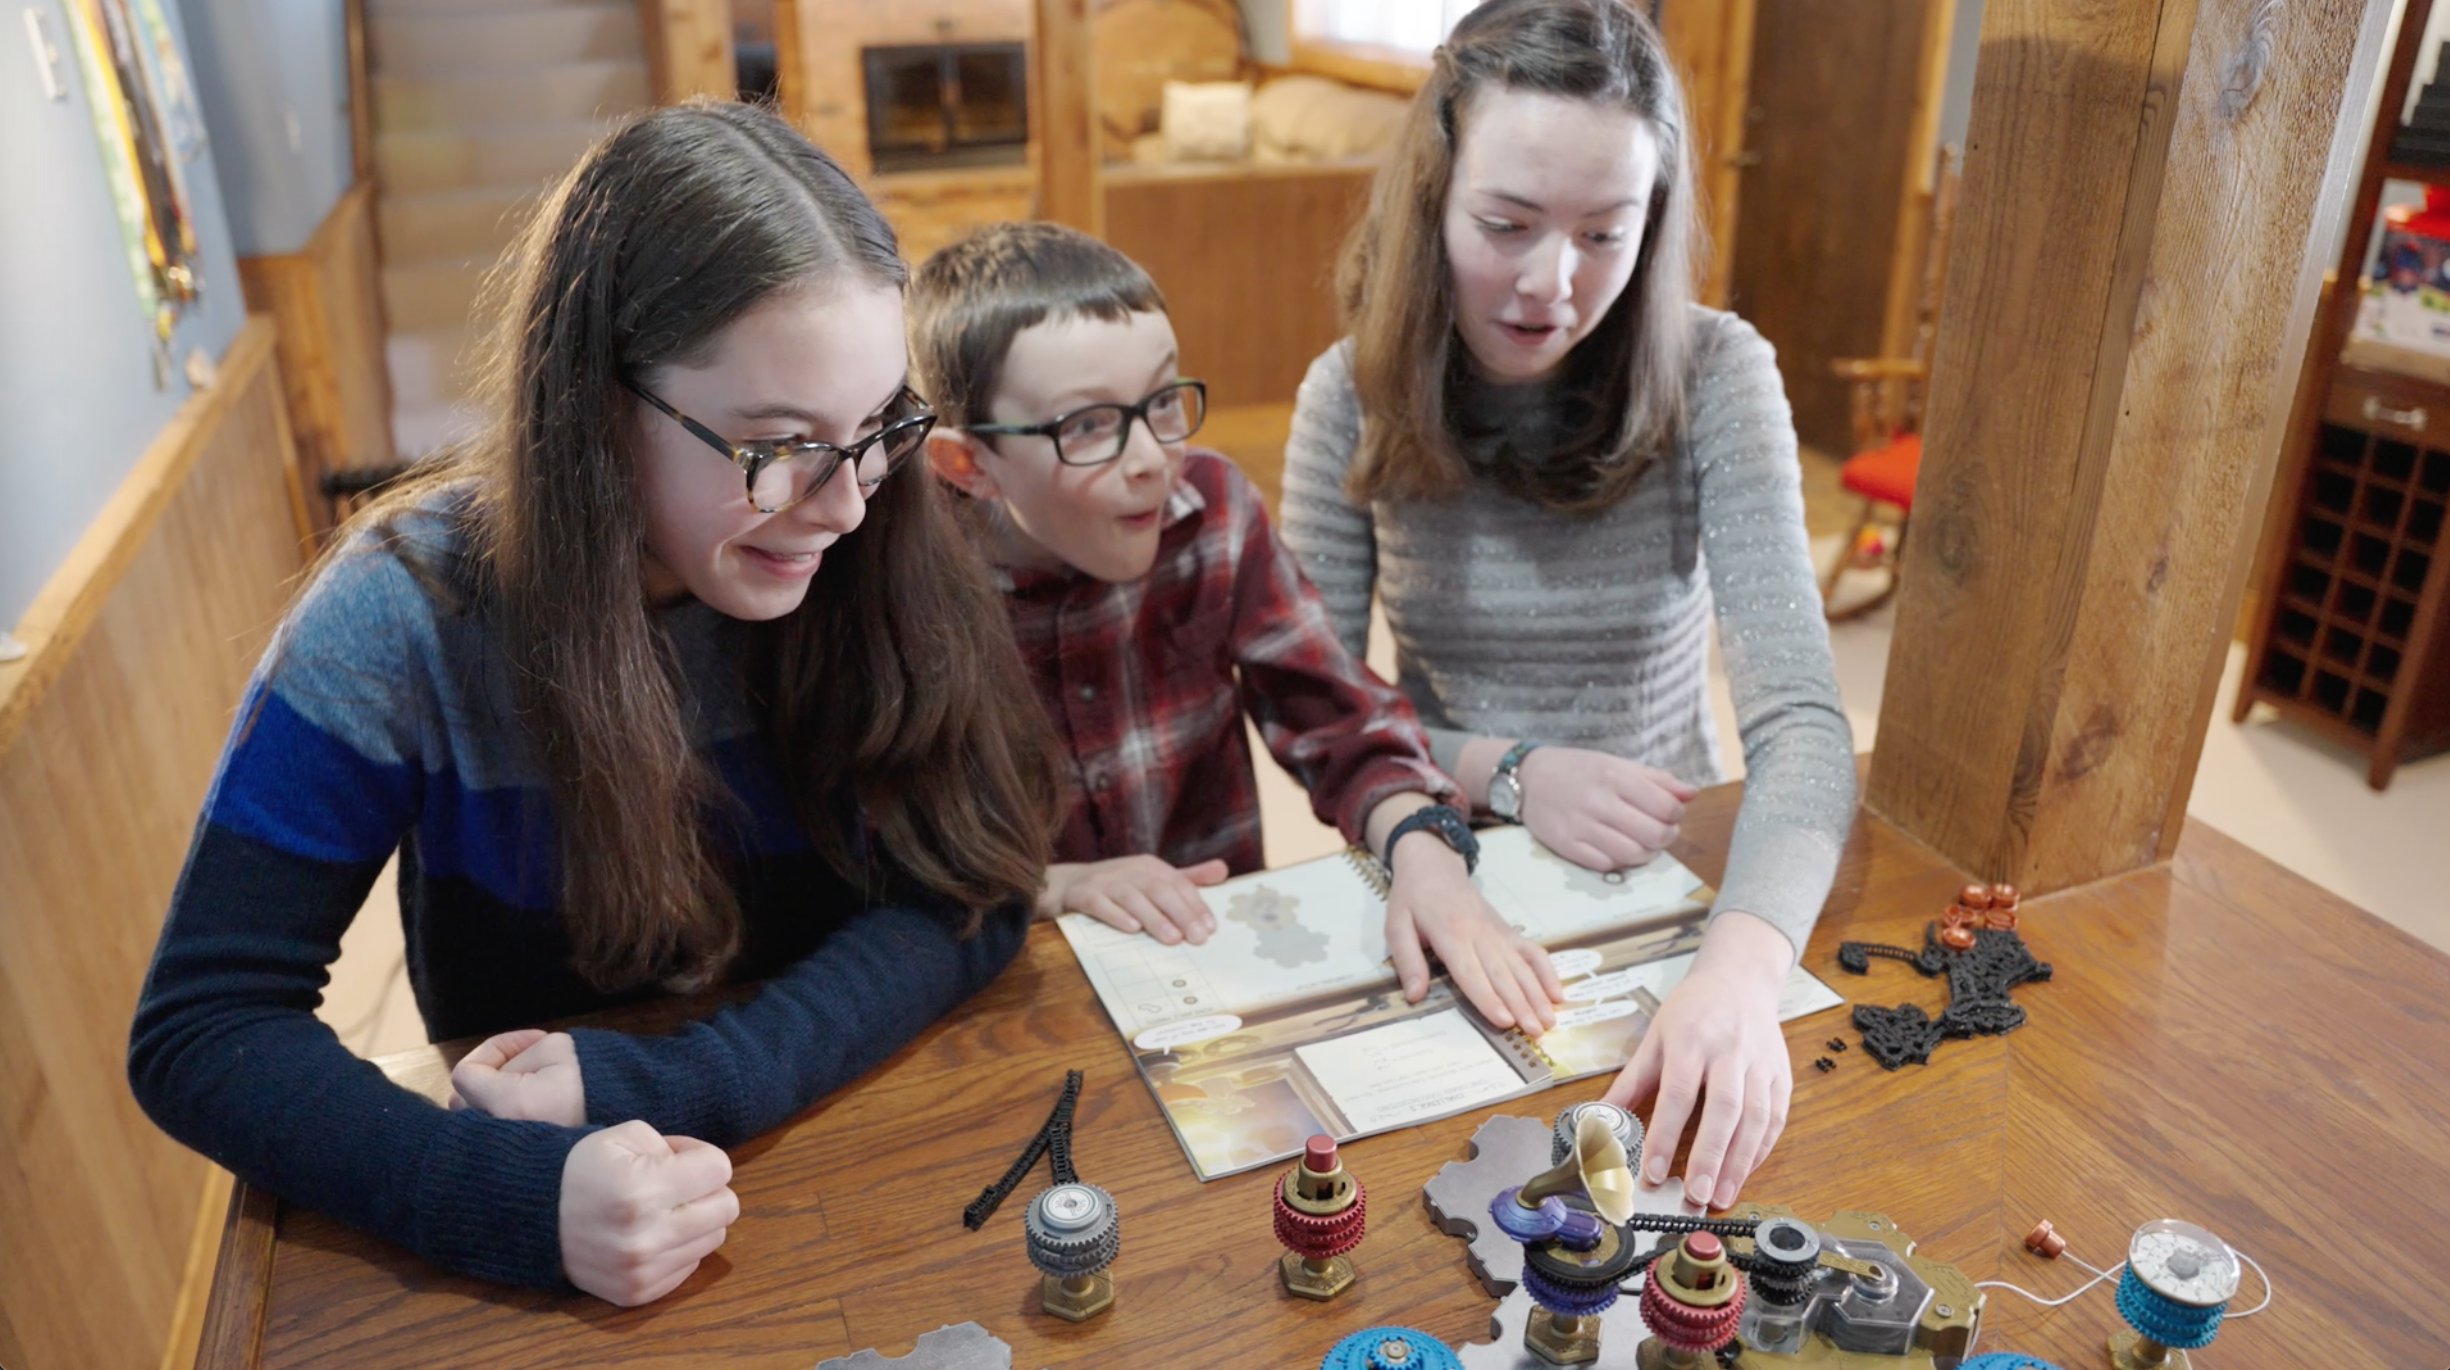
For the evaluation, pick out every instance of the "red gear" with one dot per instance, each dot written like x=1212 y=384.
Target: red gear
x=1316 y=1236
x=1684 y=1326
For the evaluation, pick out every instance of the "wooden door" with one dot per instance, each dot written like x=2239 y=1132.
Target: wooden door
x=1837 y=87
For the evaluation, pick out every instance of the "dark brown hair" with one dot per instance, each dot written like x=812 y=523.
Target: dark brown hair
x=1397 y=288
x=892 y=695
x=972 y=298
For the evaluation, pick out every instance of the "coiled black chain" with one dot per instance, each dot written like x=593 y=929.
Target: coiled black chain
x=1055 y=1135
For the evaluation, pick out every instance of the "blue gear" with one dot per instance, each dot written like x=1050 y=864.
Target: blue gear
x=1526 y=1224
x=1564 y=1298
x=2164 y=1320
x=2005 y=1360
x=1361 y=1351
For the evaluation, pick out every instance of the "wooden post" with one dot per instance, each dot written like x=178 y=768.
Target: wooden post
x=2148 y=189
x=689 y=49
x=1067 y=139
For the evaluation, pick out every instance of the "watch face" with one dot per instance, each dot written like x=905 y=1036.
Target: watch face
x=1505 y=796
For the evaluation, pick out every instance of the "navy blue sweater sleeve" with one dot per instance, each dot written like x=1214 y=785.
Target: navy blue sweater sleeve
x=321 y=778
x=871 y=986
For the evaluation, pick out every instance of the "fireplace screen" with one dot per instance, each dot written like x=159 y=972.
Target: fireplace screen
x=947 y=105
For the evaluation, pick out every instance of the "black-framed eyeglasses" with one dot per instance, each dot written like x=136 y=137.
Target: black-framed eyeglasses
x=783 y=471
x=1095 y=434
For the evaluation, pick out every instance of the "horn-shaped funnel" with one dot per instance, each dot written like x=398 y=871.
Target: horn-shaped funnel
x=1596 y=1169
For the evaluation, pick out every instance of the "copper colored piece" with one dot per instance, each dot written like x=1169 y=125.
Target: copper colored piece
x=1957 y=938
x=2005 y=897
x=1975 y=897
x=2000 y=918
x=1959 y=916
x=1319 y=1156
x=2044 y=1242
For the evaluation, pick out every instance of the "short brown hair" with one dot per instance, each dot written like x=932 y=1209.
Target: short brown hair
x=971 y=299
x=1397 y=288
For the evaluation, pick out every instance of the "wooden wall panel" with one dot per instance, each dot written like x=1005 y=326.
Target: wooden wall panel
x=1246 y=258
x=108 y=735
x=2107 y=398
x=327 y=301
x=689 y=49
x=1712 y=45
x=1063 y=86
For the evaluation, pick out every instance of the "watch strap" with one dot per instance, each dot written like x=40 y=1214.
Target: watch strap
x=1447 y=823
x=1509 y=769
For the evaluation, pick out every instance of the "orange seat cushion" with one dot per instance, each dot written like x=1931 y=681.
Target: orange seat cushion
x=1886 y=472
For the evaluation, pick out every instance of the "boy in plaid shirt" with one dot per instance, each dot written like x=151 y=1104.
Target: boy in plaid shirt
x=1155 y=606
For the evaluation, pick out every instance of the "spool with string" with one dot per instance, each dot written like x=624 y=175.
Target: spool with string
x=2178 y=1282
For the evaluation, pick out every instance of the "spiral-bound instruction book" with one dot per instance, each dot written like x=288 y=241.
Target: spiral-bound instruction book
x=1289 y=1020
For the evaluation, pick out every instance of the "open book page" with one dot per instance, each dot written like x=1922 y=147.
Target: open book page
x=1288 y=1021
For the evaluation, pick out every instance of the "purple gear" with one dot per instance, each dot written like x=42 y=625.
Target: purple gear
x=1580 y=1231
x=1565 y=1298
x=1526 y=1224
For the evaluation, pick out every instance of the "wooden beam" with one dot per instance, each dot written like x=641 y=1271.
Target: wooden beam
x=689 y=49
x=2146 y=196
x=1065 y=89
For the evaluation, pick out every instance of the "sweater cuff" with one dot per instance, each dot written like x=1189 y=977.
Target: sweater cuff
x=1446 y=747
x=1780 y=875
x=489 y=1199
x=623 y=1082
x=1382 y=782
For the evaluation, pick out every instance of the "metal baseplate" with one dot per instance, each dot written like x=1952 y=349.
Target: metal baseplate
x=961 y=1346
x=1506 y=1151
x=1927 y=1317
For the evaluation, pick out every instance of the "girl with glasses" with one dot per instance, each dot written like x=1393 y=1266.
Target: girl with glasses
x=1554 y=469
x=672 y=677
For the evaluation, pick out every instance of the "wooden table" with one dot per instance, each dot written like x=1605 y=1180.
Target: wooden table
x=2223 y=1043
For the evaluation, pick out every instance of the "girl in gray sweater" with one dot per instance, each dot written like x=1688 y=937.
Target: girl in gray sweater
x=1552 y=467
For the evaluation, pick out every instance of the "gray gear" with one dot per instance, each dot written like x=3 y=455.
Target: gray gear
x=1072 y=1229
x=1628 y=1130
x=963 y=1346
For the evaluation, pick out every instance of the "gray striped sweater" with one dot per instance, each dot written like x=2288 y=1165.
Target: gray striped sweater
x=1594 y=629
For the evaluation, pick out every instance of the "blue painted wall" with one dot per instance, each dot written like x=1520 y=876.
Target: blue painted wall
x=273 y=76
x=78 y=403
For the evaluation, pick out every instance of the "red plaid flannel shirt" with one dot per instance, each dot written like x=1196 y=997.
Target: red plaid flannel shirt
x=1147 y=681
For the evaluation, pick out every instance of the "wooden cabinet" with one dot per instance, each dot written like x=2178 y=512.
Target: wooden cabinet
x=2351 y=631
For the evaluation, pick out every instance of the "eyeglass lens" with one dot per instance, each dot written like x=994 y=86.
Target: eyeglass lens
x=1098 y=433
x=799 y=470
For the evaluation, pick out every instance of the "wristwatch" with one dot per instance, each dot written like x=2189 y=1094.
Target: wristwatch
x=1506 y=783
x=1444 y=820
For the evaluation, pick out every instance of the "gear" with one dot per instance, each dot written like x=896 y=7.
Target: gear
x=1572 y=1300
x=2163 y=1319
x=1319 y=1235
x=1072 y=1229
x=1684 y=1326
x=1628 y=1130
x=1390 y=1348
x=1505 y=1151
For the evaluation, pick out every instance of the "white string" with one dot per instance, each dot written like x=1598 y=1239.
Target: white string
x=2099 y=1275
x=2259 y=1270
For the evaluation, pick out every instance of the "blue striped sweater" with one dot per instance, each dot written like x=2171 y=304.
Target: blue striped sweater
x=380 y=720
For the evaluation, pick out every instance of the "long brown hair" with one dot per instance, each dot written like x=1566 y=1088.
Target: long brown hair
x=893 y=693
x=1397 y=290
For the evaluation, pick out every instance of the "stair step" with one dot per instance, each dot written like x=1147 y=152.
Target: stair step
x=429 y=367
x=558 y=93
x=410 y=163
x=437 y=294
x=442 y=43
x=477 y=221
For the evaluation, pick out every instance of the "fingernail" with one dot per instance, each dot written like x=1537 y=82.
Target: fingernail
x=1697 y=1188
x=1658 y=1170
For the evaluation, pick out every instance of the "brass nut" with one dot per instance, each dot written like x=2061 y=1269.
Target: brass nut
x=1301 y=1281
x=1076 y=1305
x=2132 y=1350
x=1561 y=1340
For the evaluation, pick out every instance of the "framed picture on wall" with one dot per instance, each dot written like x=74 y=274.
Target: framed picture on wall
x=146 y=120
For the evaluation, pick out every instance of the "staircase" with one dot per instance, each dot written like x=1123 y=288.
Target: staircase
x=478 y=106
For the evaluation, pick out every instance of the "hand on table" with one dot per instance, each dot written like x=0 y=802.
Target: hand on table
x=1716 y=1042
x=1136 y=894
x=1431 y=904
x=1600 y=811
x=529 y=1074
x=639 y=1210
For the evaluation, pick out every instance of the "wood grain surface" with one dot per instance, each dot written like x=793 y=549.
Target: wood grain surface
x=2107 y=400
x=2222 y=1042
x=179 y=579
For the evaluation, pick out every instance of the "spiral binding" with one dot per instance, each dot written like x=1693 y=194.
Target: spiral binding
x=1512 y=1041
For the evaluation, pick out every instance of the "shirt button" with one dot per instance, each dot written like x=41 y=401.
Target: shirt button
x=1088 y=692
